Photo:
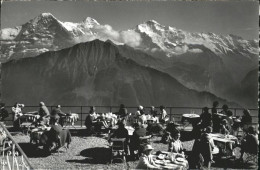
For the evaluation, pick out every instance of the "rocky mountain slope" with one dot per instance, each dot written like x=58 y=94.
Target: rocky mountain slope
x=94 y=73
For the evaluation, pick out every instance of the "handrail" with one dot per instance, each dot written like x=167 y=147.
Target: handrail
x=173 y=111
x=13 y=154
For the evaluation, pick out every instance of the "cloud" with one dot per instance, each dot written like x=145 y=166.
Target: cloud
x=105 y=32
x=195 y=50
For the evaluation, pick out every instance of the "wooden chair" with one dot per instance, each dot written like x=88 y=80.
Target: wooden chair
x=117 y=149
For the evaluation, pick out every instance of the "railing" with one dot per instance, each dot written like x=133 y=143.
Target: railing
x=12 y=156
x=173 y=112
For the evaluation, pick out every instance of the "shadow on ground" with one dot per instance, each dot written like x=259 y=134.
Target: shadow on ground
x=98 y=155
x=32 y=151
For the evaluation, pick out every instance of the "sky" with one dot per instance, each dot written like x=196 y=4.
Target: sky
x=234 y=17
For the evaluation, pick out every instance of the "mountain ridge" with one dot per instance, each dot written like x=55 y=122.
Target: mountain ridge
x=85 y=82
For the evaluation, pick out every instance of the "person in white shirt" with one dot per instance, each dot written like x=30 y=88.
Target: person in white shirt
x=146 y=160
x=164 y=117
x=176 y=145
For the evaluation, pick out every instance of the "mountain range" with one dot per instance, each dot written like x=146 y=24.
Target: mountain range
x=94 y=73
x=204 y=62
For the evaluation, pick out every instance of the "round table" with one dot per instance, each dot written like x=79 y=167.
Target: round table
x=191 y=118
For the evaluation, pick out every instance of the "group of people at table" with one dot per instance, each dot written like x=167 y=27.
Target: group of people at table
x=217 y=122
x=209 y=128
x=48 y=124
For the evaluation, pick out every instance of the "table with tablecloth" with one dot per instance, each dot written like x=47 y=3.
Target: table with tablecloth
x=168 y=160
x=71 y=119
x=225 y=143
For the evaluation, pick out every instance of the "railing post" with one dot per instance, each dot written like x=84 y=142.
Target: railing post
x=81 y=115
x=170 y=113
x=235 y=112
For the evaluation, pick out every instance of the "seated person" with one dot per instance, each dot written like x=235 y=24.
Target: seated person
x=155 y=118
x=169 y=131
x=230 y=121
x=122 y=113
x=153 y=111
x=44 y=114
x=224 y=128
x=3 y=112
x=101 y=122
x=140 y=131
x=17 y=113
x=176 y=145
x=57 y=111
x=146 y=160
x=56 y=137
x=91 y=119
x=142 y=117
x=250 y=143
x=122 y=132
x=164 y=117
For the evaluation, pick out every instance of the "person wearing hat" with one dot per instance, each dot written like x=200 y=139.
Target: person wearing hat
x=3 y=112
x=146 y=160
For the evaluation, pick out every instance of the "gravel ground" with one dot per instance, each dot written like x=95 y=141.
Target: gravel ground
x=84 y=153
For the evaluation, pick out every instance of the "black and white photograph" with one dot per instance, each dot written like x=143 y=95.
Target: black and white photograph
x=94 y=84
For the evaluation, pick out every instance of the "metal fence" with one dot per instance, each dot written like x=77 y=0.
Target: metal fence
x=175 y=113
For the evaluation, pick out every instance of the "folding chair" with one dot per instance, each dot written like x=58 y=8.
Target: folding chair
x=117 y=149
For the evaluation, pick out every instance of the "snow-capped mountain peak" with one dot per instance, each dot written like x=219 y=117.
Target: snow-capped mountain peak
x=90 y=22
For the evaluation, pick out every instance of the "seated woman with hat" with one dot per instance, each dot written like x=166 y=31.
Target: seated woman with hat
x=146 y=160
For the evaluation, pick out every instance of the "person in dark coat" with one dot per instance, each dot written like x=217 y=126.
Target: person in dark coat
x=44 y=114
x=250 y=143
x=56 y=137
x=91 y=119
x=3 y=112
x=206 y=118
x=122 y=113
x=122 y=132
x=216 y=120
x=140 y=131
x=246 y=119
x=224 y=109
x=57 y=111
